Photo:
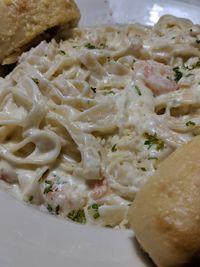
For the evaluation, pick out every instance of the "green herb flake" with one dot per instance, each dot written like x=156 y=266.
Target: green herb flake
x=102 y=46
x=177 y=74
x=109 y=93
x=143 y=169
x=77 y=216
x=49 y=187
x=95 y=208
x=152 y=158
x=109 y=226
x=114 y=148
x=189 y=75
x=36 y=81
x=30 y=198
x=49 y=208
x=127 y=226
x=190 y=123
x=138 y=90
x=96 y=215
x=185 y=67
x=197 y=65
x=94 y=89
x=154 y=140
x=62 y=52
x=198 y=41
x=57 y=210
x=90 y=46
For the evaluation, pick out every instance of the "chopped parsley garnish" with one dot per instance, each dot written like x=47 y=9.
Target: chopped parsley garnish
x=95 y=208
x=49 y=208
x=109 y=93
x=77 y=216
x=188 y=75
x=102 y=45
x=57 y=210
x=185 y=67
x=62 y=52
x=154 y=140
x=36 y=81
x=150 y=158
x=190 y=123
x=196 y=65
x=126 y=225
x=30 y=198
x=143 y=169
x=90 y=46
x=138 y=90
x=198 y=41
x=177 y=74
x=94 y=89
x=96 y=215
x=49 y=186
x=109 y=226
x=173 y=37
x=114 y=148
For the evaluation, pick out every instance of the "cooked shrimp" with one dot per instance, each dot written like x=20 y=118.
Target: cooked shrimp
x=68 y=197
x=100 y=189
x=7 y=172
x=157 y=76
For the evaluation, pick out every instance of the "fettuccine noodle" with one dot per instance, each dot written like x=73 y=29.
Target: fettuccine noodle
x=85 y=122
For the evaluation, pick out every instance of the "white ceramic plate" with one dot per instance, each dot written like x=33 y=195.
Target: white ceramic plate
x=30 y=238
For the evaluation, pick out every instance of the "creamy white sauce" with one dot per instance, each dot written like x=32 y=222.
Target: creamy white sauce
x=86 y=121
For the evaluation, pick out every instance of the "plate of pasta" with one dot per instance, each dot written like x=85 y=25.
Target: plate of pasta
x=85 y=120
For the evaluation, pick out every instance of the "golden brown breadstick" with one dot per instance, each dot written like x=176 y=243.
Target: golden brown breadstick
x=23 y=20
x=165 y=215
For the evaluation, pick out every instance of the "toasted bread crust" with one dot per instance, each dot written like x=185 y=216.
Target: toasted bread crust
x=165 y=215
x=22 y=20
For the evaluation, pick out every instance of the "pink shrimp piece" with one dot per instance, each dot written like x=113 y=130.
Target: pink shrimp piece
x=100 y=189
x=156 y=76
x=67 y=196
x=5 y=177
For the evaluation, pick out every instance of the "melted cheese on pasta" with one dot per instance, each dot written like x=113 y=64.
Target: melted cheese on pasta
x=85 y=122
